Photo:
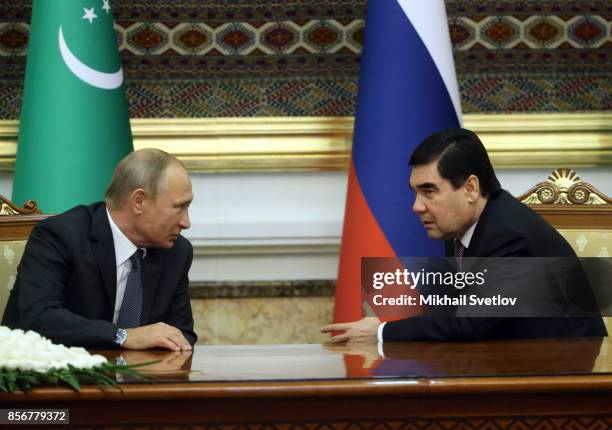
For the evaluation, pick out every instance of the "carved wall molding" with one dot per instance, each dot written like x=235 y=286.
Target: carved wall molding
x=275 y=144
x=8 y=208
x=564 y=187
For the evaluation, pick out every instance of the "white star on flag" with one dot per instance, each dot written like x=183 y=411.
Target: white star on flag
x=89 y=14
x=106 y=6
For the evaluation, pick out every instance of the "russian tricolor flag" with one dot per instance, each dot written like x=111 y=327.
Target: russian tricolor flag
x=407 y=91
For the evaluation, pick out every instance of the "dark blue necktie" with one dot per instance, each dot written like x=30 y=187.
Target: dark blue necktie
x=131 y=307
x=459 y=250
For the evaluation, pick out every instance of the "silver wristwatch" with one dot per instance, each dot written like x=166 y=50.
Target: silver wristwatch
x=120 y=336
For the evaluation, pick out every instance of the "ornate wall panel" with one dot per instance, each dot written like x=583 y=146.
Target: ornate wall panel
x=301 y=57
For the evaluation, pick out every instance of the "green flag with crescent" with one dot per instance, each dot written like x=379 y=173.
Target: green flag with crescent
x=74 y=125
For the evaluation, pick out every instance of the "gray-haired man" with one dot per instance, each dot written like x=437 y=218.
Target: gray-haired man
x=113 y=273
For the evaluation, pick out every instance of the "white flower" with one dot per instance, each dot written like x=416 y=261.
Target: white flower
x=31 y=351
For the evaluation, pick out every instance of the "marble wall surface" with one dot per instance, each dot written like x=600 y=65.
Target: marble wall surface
x=261 y=320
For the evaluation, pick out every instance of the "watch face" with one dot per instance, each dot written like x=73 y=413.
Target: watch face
x=120 y=336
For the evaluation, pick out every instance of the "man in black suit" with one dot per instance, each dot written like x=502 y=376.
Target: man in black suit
x=113 y=273
x=459 y=200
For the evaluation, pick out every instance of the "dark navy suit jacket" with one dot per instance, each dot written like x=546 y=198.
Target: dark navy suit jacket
x=506 y=228
x=67 y=280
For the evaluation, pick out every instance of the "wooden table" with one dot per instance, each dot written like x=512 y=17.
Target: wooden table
x=528 y=384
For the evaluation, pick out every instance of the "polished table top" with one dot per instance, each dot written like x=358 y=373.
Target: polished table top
x=403 y=361
x=577 y=367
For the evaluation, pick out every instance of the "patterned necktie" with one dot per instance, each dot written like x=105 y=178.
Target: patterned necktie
x=131 y=307
x=459 y=248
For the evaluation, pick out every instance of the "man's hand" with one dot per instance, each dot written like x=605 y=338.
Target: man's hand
x=158 y=335
x=364 y=330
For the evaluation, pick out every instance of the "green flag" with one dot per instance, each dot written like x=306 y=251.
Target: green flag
x=74 y=124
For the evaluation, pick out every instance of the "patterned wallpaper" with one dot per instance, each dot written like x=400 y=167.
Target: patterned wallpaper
x=195 y=58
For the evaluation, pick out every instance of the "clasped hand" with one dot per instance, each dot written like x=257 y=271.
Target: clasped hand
x=158 y=335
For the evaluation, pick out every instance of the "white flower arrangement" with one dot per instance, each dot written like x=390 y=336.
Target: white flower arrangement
x=28 y=359
x=31 y=351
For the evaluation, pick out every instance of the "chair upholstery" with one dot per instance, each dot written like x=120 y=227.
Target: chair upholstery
x=15 y=226
x=580 y=212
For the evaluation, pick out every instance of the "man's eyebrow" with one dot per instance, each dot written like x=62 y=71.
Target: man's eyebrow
x=183 y=202
x=427 y=186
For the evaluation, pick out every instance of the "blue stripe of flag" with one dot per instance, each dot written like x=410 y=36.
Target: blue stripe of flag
x=402 y=99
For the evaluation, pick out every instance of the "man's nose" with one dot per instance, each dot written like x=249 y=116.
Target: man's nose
x=184 y=222
x=418 y=207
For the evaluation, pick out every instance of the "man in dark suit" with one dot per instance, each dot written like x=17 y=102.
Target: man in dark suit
x=113 y=273
x=459 y=200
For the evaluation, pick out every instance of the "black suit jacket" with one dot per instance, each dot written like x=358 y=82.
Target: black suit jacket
x=67 y=280
x=506 y=228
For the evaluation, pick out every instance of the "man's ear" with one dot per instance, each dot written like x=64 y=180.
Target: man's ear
x=472 y=188
x=137 y=200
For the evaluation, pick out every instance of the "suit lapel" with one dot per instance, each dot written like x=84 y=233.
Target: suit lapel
x=151 y=274
x=469 y=263
x=479 y=246
x=104 y=250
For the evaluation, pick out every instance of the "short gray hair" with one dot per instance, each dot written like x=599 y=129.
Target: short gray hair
x=144 y=169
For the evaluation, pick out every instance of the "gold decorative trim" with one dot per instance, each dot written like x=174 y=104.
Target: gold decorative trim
x=8 y=208
x=323 y=143
x=564 y=187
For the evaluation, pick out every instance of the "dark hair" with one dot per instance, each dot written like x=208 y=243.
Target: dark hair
x=459 y=153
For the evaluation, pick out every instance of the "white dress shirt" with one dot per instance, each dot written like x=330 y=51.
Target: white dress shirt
x=124 y=248
x=465 y=241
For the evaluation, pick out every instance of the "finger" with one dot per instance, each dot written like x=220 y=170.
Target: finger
x=341 y=338
x=335 y=327
x=164 y=342
x=185 y=345
x=180 y=340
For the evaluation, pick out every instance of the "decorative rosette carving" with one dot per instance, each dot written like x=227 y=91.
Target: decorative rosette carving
x=564 y=187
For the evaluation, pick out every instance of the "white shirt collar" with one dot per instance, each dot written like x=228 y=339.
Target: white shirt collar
x=467 y=236
x=124 y=248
